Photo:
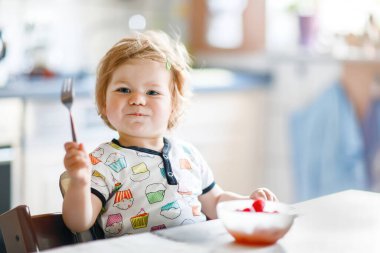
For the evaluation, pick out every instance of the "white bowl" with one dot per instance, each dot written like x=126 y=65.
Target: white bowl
x=255 y=228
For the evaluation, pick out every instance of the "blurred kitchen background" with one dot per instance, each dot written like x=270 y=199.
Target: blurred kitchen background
x=286 y=93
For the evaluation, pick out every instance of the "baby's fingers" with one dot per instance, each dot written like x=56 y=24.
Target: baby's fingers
x=263 y=193
x=71 y=145
x=75 y=162
x=75 y=159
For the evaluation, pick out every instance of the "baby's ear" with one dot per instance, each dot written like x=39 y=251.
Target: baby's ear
x=103 y=111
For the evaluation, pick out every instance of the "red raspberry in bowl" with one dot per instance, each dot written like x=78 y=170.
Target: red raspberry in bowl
x=258 y=205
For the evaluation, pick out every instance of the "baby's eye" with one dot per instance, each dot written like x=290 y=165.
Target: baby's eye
x=123 y=90
x=152 y=93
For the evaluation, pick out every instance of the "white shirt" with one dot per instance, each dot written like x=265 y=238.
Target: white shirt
x=144 y=190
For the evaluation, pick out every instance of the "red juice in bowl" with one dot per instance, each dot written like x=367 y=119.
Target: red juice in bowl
x=259 y=237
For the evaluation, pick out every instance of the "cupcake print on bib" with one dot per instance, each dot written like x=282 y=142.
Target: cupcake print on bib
x=140 y=220
x=162 y=169
x=114 y=224
x=155 y=193
x=140 y=172
x=184 y=164
x=158 y=227
x=114 y=145
x=123 y=199
x=95 y=156
x=171 y=210
x=116 y=162
x=98 y=179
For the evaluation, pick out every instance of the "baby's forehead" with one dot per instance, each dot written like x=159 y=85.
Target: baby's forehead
x=141 y=72
x=137 y=65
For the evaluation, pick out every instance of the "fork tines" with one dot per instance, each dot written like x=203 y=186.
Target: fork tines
x=67 y=92
x=67 y=97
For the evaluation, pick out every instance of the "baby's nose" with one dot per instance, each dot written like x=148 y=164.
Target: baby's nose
x=137 y=99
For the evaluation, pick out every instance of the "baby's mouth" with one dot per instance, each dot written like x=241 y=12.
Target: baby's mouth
x=136 y=114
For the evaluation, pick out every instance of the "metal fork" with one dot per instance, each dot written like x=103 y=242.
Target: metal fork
x=67 y=97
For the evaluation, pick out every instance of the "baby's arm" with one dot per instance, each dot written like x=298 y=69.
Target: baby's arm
x=80 y=206
x=216 y=195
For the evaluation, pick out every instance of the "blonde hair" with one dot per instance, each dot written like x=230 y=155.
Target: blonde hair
x=150 y=45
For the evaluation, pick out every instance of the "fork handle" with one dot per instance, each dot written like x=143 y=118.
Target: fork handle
x=73 y=128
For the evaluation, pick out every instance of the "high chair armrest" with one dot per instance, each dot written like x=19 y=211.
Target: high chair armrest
x=25 y=233
x=16 y=227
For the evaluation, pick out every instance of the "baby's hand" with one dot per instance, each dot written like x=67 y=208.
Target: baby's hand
x=77 y=162
x=263 y=193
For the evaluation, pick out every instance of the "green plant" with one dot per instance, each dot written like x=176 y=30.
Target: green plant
x=303 y=7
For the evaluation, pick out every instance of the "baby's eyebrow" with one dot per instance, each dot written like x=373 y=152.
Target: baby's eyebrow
x=120 y=82
x=154 y=85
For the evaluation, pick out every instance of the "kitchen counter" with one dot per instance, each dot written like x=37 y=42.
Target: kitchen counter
x=202 y=80
x=40 y=88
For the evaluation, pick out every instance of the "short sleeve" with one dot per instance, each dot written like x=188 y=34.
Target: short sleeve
x=100 y=185
x=208 y=181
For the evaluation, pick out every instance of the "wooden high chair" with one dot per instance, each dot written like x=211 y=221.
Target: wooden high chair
x=24 y=233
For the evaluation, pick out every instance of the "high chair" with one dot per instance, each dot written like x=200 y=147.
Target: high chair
x=23 y=232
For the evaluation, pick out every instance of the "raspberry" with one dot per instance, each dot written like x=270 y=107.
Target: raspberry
x=246 y=210
x=258 y=205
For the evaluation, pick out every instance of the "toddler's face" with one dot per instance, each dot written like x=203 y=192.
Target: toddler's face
x=138 y=99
